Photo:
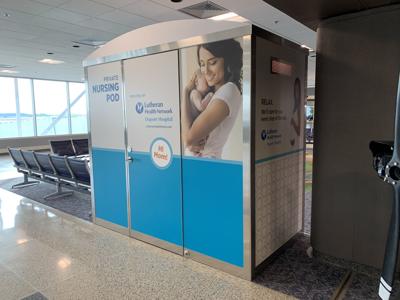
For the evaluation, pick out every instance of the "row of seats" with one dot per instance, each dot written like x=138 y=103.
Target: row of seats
x=73 y=147
x=59 y=170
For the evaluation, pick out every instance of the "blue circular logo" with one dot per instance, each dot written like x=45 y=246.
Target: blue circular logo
x=264 y=135
x=139 y=107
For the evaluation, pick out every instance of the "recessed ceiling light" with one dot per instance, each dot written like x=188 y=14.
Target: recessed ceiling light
x=51 y=61
x=9 y=71
x=5 y=14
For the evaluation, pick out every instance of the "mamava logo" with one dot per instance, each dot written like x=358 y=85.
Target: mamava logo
x=139 y=107
x=161 y=153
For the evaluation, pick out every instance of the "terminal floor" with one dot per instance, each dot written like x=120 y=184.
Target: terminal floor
x=45 y=253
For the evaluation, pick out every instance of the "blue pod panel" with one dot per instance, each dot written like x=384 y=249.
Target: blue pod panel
x=156 y=198
x=110 y=185
x=213 y=208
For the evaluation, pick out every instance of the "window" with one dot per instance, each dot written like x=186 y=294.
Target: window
x=8 y=109
x=51 y=107
x=78 y=107
x=32 y=107
x=25 y=120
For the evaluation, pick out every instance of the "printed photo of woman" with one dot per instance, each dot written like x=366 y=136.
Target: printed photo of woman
x=212 y=99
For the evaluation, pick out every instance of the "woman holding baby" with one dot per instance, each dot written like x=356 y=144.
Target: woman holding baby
x=209 y=112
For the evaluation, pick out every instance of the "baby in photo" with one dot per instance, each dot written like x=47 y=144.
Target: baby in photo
x=200 y=96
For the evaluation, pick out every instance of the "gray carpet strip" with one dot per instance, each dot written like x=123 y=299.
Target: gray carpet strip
x=78 y=204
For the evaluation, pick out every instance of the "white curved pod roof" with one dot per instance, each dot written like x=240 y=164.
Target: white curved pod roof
x=164 y=36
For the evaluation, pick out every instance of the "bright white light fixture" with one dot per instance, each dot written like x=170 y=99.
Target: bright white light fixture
x=224 y=16
x=306 y=47
x=9 y=71
x=51 y=61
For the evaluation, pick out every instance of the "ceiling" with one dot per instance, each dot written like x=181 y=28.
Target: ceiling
x=29 y=29
x=311 y=12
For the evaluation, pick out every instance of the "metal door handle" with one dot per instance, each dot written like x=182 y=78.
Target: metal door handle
x=129 y=159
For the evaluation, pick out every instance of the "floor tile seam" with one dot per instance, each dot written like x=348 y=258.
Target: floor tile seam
x=20 y=278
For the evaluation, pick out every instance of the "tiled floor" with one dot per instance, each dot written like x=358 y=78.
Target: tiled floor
x=46 y=254
x=6 y=168
x=65 y=258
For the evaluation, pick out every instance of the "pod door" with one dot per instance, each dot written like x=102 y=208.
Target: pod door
x=213 y=162
x=154 y=149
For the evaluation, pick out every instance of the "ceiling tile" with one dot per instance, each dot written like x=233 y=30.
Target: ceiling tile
x=58 y=47
x=105 y=25
x=116 y=3
x=256 y=7
x=16 y=16
x=13 y=26
x=61 y=37
x=147 y=9
x=16 y=35
x=86 y=7
x=125 y=18
x=178 y=5
x=26 y=6
x=54 y=3
x=172 y=15
x=67 y=27
x=21 y=52
x=64 y=15
x=39 y=26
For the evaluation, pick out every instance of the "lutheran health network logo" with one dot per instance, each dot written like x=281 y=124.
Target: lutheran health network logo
x=139 y=107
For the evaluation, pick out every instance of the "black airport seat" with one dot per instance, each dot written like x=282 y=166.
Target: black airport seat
x=22 y=167
x=62 y=148
x=80 y=170
x=59 y=164
x=62 y=171
x=30 y=160
x=61 y=167
x=43 y=161
x=17 y=158
x=81 y=146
